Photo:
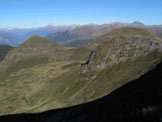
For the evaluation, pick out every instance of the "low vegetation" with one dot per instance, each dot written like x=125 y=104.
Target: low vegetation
x=40 y=75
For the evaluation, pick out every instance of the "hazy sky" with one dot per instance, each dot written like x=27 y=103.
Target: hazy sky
x=29 y=13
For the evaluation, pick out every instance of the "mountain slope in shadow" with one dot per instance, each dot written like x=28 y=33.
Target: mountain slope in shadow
x=4 y=49
x=137 y=101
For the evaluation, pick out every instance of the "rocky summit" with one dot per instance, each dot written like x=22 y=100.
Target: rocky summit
x=39 y=75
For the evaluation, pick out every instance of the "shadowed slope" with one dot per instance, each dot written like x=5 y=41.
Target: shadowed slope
x=137 y=101
x=4 y=49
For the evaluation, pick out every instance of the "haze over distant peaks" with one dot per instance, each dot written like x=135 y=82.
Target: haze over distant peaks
x=138 y=24
x=10 y=39
x=86 y=33
x=72 y=35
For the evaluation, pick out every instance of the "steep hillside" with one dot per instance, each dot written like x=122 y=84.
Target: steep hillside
x=138 y=101
x=38 y=50
x=9 y=39
x=4 y=49
x=39 y=75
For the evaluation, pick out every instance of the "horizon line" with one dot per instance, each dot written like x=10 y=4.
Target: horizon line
x=56 y=25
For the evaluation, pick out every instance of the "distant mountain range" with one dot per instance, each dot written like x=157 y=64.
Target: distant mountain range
x=7 y=38
x=82 y=35
x=69 y=35
x=44 y=31
x=16 y=36
x=37 y=30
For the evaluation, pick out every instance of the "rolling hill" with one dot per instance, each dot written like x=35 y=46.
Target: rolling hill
x=40 y=75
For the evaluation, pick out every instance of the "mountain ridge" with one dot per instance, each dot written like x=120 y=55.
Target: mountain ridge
x=74 y=35
x=72 y=76
x=95 y=31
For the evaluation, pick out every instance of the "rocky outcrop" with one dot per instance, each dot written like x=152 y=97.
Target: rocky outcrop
x=121 y=47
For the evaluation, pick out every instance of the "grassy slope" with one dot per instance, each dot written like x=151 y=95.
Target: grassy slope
x=33 y=74
x=40 y=84
x=62 y=84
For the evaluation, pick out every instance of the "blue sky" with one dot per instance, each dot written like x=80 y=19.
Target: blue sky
x=31 y=13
